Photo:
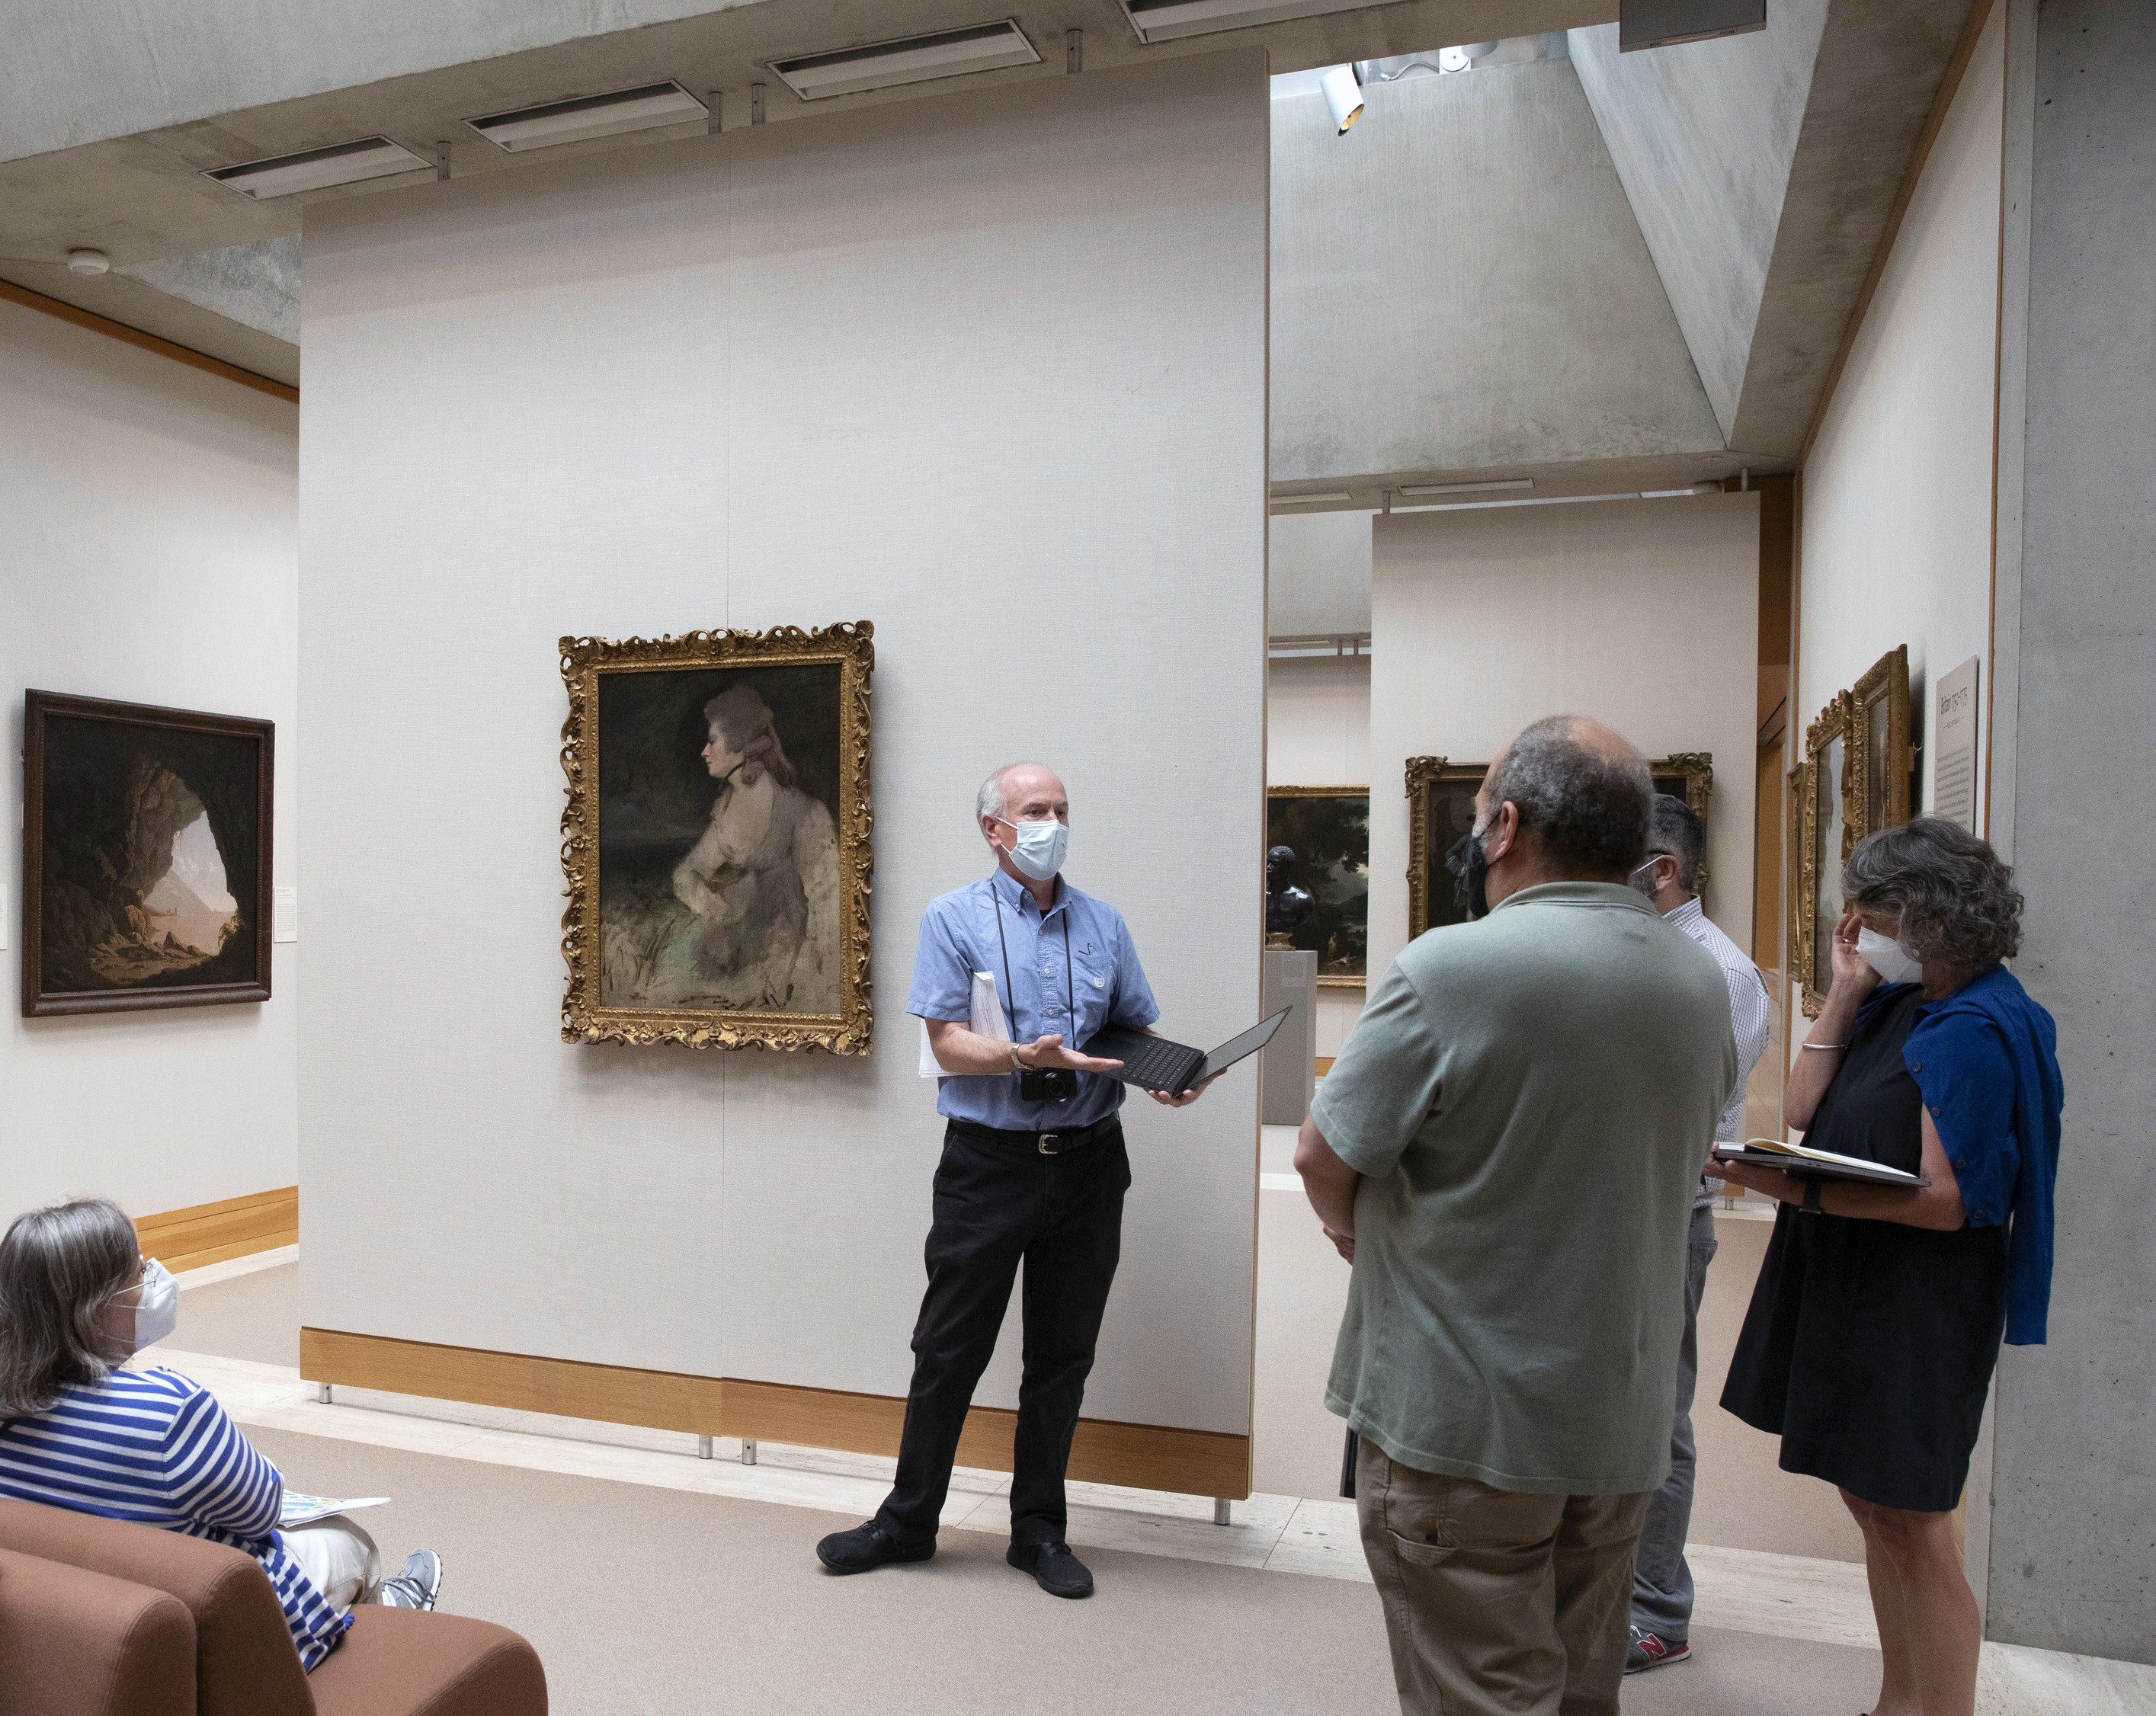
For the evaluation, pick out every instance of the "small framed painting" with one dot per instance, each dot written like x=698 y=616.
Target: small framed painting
x=1318 y=894
x=1881 y=734
x=1441 y=816
x=145 y=857
x=1829 y=823
x=1689 y=774
x=716 y=839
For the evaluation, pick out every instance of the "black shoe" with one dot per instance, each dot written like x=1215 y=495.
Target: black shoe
x=865 y=1547
x=1057 y=1571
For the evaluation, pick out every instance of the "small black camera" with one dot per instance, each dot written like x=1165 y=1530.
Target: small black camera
x=1047 y=1084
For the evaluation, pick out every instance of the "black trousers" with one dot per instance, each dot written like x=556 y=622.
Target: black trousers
x=996 y=1204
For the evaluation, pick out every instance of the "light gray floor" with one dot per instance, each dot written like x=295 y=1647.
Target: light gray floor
x=1745 y=1500
x=643 y=1602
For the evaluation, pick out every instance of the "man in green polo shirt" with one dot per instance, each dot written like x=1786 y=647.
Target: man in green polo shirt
x=1506 y=1152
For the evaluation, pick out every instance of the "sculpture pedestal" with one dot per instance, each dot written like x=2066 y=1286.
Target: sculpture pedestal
x=1287 y=1072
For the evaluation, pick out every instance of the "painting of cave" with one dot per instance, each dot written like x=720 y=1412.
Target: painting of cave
x=151 y=840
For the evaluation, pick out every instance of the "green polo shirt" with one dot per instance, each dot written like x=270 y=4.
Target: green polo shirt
x=1528 y=1098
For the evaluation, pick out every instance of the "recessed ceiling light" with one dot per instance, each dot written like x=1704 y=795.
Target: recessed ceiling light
x=1164 y=20
x=87 y=262
x=582 y=116
x=318 y=169
x=911 y=60
x=1330 y=494
x=1421 y=489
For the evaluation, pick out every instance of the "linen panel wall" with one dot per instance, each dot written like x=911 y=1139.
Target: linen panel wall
x=988 y=370
x=148 y=552
x=1641 y=613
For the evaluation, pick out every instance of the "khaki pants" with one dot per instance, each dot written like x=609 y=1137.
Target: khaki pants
x=1495 y=1601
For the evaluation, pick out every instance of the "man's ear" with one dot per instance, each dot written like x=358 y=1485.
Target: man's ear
x=1503 y=833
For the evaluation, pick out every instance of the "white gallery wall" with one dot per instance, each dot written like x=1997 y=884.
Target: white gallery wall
x=1640 y=613
x=148 y=553
x=1896 y=545
x=989 y=372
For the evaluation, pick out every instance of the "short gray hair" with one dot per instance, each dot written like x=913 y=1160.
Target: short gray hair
x=990 y=801
x=1586 y=806
x=1673 y=827
x=1957 y=901
x=59 y=1268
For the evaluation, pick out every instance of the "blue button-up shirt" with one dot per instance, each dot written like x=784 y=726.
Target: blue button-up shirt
x=1103 y=983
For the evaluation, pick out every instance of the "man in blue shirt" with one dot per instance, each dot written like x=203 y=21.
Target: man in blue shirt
x=1033 y=1168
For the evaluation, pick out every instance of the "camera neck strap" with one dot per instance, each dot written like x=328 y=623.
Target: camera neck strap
x=1011 y=996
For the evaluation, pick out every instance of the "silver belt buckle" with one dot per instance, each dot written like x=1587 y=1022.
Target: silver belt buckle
x=1050 y=1143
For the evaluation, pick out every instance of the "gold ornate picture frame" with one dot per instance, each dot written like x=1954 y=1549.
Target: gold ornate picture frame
x=717 y=840
x=1854 y=779
x=1439 y=792
x=1328 y=828
x=1688 y=775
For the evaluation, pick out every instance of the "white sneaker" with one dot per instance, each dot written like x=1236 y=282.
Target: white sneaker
x=416 y=1586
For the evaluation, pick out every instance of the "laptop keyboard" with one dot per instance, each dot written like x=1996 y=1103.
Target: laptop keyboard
x=1159 y=1062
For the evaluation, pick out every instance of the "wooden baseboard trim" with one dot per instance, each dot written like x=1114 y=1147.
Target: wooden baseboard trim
x=1137 y=1455
x=96 y=324
x=216 y=1232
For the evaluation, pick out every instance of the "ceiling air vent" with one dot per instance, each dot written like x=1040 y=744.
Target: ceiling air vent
x=572 y=121
x=1164 y=20
x=915 y=60
x=318 y=169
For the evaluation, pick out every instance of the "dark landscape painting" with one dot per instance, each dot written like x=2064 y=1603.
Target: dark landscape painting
x=719 y=873
x=1329 y=833
x=146 y=857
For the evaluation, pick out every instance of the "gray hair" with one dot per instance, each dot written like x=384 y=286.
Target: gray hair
x=1673 y=827
x=1957 y=901
x=59 y=1268
x=990 y=801
x=1588 y=806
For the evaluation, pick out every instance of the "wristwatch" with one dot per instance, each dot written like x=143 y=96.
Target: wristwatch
x=1810 y=1205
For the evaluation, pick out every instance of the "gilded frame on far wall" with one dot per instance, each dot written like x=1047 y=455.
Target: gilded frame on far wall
x=1423 y=773
x=841 y=660
x=1329 y=979
x=1694 y=771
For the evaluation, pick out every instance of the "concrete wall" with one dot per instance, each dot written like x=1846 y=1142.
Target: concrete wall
x=946 y=366
x=1702 y=137
x=1641 y=613
x=2073 y=1541
x=1459 y=283
x=148 y=552
x=1317 y=574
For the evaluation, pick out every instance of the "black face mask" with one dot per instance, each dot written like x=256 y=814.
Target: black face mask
x=1471 y=871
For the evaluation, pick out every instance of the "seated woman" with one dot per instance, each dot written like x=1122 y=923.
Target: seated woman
x=150 y=1447
x=1874 y=1327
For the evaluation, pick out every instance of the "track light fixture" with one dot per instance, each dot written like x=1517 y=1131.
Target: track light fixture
x=1343 y=95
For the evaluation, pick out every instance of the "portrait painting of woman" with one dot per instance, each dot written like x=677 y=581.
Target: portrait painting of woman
x=720 y=801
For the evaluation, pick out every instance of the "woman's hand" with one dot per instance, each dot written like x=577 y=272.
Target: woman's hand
x=1853 y=976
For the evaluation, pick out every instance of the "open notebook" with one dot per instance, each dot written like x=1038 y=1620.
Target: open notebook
x=1816 y=1163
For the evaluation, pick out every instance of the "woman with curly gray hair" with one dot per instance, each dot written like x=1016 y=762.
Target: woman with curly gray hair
x=1876 y=1320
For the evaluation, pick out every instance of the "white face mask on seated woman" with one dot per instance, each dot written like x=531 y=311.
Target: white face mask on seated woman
x=156 y=1304
x=1893 y=962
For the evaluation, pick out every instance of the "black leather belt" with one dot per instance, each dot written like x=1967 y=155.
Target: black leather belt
x=1045 y=1143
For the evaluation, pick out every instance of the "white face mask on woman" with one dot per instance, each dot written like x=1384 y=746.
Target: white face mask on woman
x=1040 y=847
x=1892 y=961
x=156 y=1305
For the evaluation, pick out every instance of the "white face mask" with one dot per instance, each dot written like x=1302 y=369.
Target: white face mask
x=156 y=1305
x=1888 y=958
x=1040 y=847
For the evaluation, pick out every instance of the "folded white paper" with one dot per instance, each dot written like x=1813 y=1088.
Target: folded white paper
x=987 y=1020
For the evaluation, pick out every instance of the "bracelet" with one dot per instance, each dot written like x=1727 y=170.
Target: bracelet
x=1813 y=1191
x=1822 y=1045
x=1018 y=1065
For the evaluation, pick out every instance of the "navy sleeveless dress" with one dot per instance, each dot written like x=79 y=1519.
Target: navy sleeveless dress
x=1869 y=1345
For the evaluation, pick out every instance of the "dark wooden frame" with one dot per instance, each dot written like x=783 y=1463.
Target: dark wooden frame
x=37 y=1003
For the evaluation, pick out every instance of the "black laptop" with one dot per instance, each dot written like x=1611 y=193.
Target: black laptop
x=1155 y=1063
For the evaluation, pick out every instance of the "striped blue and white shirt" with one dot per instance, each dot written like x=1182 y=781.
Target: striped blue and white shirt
x=154 y=1448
